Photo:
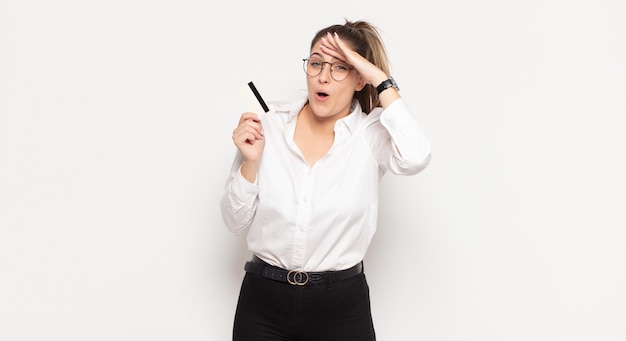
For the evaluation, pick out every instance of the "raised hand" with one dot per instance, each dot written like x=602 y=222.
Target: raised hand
x=334 y=46
x=248 y=137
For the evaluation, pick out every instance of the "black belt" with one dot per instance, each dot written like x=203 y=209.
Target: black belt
x=297 y=277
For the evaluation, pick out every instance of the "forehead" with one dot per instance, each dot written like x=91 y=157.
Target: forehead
x=316 y=51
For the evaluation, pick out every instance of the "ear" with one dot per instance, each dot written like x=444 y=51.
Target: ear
x=360 y=84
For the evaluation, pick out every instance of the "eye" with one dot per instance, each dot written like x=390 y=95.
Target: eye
x=316 y=63
x=341 y=67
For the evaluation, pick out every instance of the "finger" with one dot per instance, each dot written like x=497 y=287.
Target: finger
x=334 y=46
x=333 y=52
x=331 y=40
x=247 y=133
x=253 y=122
x=241 y=141
x=258 y=128
x=339 y=43
x=330 y=45
x=249 y=116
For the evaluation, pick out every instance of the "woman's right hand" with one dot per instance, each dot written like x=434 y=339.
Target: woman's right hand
x=248 y=137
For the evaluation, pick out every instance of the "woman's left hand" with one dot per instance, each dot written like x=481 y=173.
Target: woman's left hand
x=332 y=45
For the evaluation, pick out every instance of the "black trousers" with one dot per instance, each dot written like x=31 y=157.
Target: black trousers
x=272 y=310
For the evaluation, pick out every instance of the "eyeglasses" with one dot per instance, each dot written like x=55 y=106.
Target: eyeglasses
x=338 y=70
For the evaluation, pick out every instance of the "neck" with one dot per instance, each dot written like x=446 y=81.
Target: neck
x=317 y=124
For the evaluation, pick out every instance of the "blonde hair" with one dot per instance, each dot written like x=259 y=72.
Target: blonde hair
x=366 y=41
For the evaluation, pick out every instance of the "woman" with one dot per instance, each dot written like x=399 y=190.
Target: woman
x=304 y=186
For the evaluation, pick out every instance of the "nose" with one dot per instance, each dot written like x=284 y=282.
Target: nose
x=324 y=75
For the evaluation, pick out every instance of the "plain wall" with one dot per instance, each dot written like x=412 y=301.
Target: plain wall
x=115 y=143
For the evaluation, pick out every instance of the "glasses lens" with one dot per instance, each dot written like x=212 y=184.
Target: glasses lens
x=313 y=66
x=339 y=71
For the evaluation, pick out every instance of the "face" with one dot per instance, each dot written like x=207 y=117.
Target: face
x=328 y=97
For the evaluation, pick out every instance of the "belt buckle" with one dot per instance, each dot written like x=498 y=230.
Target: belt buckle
x=297 y=277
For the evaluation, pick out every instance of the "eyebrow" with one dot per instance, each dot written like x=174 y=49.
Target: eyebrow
x=334 y=60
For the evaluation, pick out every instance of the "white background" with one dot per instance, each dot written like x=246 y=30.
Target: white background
x=115 y=123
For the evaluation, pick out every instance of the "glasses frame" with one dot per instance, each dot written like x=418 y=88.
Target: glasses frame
x=305 y=63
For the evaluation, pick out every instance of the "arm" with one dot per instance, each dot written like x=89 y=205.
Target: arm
x=239 y=200
x=399 y=143
x=369 y=72
x=249 y=140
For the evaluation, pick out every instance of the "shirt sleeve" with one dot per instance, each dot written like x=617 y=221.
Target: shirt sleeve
x=239 y=199
x=401 y=146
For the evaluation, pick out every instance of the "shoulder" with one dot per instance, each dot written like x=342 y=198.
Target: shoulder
x=288 y=106
x=285 y=110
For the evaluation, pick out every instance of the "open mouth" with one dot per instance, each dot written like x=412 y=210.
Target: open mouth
x=322 y=94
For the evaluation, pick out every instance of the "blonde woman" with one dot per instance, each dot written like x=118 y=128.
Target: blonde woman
x=304 y=188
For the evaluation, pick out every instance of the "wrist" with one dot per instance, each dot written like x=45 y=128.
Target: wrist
x=386 y=84
x=249 y=170
x=378 y=78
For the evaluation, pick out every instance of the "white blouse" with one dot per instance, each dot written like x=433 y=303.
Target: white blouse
x=322 y=217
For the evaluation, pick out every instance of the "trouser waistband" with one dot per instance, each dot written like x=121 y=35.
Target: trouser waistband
x=297 y=277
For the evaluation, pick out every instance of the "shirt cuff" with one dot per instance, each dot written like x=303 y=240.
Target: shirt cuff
x=397 y=115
